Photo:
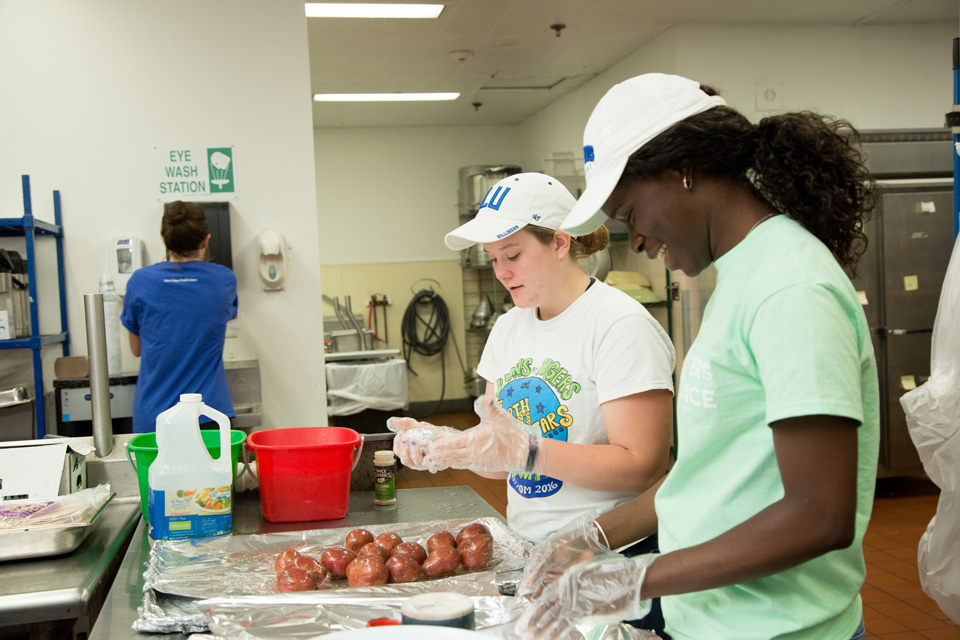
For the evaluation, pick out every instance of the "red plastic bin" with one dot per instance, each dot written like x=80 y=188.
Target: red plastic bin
x=304 y=472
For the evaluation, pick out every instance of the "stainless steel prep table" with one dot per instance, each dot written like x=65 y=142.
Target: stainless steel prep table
x=413 y=505
x=46 y=597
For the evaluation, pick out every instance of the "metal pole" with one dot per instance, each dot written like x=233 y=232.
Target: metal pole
x=99 y=379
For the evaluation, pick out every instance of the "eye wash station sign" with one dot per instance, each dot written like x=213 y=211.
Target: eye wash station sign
x=190 y=172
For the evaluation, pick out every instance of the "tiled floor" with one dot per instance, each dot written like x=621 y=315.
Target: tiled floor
x=895 y=607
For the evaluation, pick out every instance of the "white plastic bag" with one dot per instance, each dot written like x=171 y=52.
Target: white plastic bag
x=933 y=419
x=352 y=388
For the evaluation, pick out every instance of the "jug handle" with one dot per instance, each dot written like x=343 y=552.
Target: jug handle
x=356 y=456
x=224 y=423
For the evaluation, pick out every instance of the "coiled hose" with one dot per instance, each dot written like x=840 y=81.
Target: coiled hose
x=425 y=329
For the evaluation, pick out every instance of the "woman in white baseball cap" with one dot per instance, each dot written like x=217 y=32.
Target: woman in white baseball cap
x=578 y=410
x=761 y=520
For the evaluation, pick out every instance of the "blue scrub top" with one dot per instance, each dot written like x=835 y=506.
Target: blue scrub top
x=180 y=311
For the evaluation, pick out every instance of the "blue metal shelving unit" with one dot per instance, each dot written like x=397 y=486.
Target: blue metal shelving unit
x=30 y=228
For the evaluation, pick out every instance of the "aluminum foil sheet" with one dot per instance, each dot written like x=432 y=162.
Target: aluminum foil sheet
x=244 y=565
x=263 y=618
x=312 y=613
x=181 y=574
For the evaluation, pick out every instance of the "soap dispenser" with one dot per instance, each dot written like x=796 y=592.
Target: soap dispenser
x=272 y=260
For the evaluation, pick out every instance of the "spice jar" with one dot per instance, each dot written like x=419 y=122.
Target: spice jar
x=385 y=483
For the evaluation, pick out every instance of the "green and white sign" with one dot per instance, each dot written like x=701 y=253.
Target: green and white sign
x=190 y=172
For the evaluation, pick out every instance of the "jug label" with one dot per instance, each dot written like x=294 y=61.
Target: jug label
x=190 y=513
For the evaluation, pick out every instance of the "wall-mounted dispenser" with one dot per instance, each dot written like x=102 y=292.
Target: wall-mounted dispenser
x=124 y=256
x=271 y=259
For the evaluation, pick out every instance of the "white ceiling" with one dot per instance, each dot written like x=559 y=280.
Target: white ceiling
x=519 y=64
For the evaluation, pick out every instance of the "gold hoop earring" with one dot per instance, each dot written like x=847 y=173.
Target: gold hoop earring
x=687 y=183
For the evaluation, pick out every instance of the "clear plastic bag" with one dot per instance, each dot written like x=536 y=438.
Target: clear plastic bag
x=352 y=388
x=71 y=509
x=933 y=419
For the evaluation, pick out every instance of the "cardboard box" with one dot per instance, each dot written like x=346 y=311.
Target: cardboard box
x=71 y=367
x=32 y=469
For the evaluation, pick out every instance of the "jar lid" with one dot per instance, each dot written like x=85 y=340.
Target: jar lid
x=437 y=606
x=383 y=457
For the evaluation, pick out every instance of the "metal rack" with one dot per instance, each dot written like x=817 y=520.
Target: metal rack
x=30 y=228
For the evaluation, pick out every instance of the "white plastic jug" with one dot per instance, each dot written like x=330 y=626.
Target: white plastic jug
x=190 y=493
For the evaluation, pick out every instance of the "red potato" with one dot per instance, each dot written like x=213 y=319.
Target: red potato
x=311 y=565
x=292 y=578
x=388 y=540
x=441 y=539
x=373 y=549
x=357 y=538
x=442 y=561
x=367 y=571
x=475 y=551
x=475 y=529
x=411 y=549
x=335 y=561
x=403 y=568
x=286 y=557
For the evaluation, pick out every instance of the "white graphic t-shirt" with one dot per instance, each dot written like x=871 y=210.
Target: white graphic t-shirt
x=556 y=374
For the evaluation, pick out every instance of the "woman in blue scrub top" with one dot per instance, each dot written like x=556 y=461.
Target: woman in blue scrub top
x=177 y=312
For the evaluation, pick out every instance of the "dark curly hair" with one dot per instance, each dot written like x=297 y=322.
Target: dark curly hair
x=183 y=227
x=806 y=165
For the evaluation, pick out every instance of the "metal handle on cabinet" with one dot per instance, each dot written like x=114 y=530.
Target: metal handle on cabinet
x=904 y=332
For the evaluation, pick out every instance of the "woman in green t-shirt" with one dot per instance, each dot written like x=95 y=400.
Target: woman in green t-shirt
x=761 y=520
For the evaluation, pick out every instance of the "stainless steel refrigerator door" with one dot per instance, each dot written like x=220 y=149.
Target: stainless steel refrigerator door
x=907 y=360
x=917 y=229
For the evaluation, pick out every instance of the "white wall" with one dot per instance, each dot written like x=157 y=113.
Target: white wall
x=878 y=77
x=90 y=88
x=390 y=194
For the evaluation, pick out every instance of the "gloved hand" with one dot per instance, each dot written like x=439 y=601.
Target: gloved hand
x=499 y=443
x=580 y=541
x=414 y=440
x=604 y=591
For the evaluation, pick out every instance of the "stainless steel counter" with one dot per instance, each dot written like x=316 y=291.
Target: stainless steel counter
x=46 y=597
x=413 y=505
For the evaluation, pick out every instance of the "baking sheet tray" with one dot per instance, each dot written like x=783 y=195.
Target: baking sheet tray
x=46 y=540
x=245 y=565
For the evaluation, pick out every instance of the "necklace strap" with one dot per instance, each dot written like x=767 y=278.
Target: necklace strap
x=763 y=219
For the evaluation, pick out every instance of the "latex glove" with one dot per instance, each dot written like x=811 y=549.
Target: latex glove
x=499 y=443
x=604 y=591
x=414 y=439
x=580 y=541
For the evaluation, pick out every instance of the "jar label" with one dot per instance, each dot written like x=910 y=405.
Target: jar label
x=190 y=513
x=385 y=487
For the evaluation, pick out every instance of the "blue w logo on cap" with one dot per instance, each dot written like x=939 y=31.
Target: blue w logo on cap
x=494 y=198
x=588 y=153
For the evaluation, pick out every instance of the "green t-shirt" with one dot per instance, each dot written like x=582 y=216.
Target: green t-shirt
x=783 y=335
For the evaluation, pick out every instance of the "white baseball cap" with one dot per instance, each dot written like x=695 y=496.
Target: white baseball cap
x=627 y=117
x=510 y=205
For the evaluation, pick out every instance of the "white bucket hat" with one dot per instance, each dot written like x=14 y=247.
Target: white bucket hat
x=627 y=117
x=510 y=205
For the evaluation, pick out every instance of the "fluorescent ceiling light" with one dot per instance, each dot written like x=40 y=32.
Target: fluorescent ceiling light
x=371 y=10
x=382 y=97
